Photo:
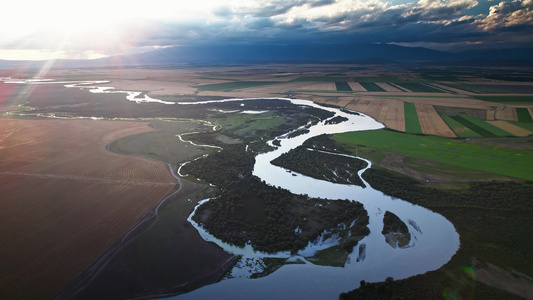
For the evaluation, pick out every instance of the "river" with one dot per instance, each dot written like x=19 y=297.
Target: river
x=434 y=240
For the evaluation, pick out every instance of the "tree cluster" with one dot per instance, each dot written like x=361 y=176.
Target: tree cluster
x=330 y=167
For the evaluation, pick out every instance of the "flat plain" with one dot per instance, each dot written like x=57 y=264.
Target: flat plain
x=66 y=199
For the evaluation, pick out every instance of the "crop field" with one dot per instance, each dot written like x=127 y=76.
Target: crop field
x=371 y=87
x=356 y=87
x=459 y=129
x=516 y=163
x=516 y=89
x=418 y=87
x=511 y=128
x=523 y=115
x=236 y=85
x=431 y=122
x=476 y=89
x=388 y=87
x=509 y=99
x=528 y=126
x=481 y=127
x=343 y=86
x=323 y=86
x=66 y=199
x=412 y=123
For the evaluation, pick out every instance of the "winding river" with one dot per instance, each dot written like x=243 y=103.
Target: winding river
x=434 y=240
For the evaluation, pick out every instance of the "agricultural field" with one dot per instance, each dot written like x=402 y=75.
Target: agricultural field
x=452 y=88
x=509 y=162
x=412 y=122
x=85 y=198
x=67 y=199
x=371 y=86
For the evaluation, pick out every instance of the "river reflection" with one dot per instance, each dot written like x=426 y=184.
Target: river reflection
x=433 y=238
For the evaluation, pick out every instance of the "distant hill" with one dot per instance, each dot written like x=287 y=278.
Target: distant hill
x=304 y=53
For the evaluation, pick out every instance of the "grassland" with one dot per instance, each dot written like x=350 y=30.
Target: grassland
x=516 y=163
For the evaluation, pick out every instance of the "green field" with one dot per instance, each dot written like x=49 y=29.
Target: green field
x=235 y=85
x=516 y=163
x=483 y=128
x=528 y=126
x=371 y=87
x=523 y=115
x=418 y=87
x=507 y=99
x=459 y=129
x=412 y=124
x=343 y=87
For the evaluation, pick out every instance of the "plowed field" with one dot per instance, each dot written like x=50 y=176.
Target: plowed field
x=66 y=200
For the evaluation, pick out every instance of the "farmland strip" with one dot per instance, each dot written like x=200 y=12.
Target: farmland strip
x=513 y=129
x=412 y=123
x=431 y=122
x=523 y=115
x=343 y=86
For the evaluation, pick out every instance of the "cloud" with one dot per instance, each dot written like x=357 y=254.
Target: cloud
x=508 y=14
x=432 y=22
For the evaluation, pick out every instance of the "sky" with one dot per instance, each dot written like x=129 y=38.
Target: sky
x=59 y=29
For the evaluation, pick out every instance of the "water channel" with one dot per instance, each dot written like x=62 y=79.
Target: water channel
x=434 y=240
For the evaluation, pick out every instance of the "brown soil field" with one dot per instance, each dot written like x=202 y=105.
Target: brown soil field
x=356 y=87
x=507 y=113
x=431 y=122
x=66 y=200
x=369 y=106
x=511 y=128
x=324 y=86
x=400 y=88
x=387 y=87
x=395 y=116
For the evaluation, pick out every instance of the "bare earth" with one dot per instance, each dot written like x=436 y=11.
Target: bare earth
x=66 y=200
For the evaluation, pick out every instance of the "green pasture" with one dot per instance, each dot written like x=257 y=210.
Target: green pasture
x=459 y=129
x=418 y=87
x=371 y=87
x=234 y=85
x=516 y=163
x=523 y=115
x=510 y=99
x=412 y=123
